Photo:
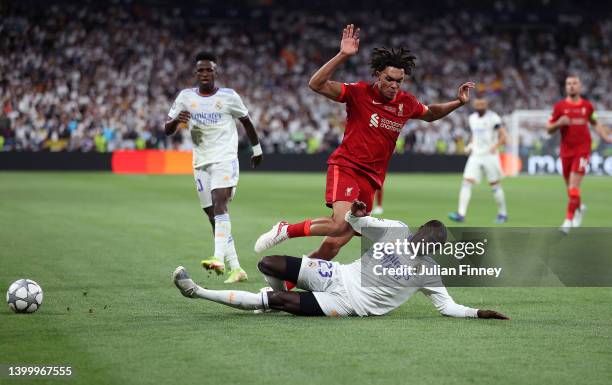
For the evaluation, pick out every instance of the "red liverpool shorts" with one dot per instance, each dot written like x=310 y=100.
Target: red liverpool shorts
x=576 y=163
x=345 y=185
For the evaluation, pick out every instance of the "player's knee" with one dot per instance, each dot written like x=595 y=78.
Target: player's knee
x=220 y=207
x=270 y=265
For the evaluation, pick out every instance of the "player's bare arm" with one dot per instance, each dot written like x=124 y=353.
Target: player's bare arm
x=603 y=131
x=320 y=82
x=257 y=156
x=438 y=111
x=172 y=125
x=551 y=128
x=501 y=140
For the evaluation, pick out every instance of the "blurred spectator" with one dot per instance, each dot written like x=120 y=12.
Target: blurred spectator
x=104 y=77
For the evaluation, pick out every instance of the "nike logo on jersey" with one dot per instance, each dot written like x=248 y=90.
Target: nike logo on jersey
x=375 y=102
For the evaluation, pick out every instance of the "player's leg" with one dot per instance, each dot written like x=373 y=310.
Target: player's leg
x=494 y=174
x=277 y=269
x=471 y=175
x=378 y=196
x=574 y=169
x=202 y=177
x=302 y=303
x=342 y=189
x=575 y=207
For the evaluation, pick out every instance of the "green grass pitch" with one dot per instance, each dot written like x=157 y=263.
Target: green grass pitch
x=103 y=248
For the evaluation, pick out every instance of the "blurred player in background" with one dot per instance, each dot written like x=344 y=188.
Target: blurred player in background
x=334 y=289
x=378 y=196
x=376 y=113
x=571 y=116
x=209 y=113
x=488 y=134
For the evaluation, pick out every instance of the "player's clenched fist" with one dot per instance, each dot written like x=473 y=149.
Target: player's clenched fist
x=183 y=117
x=359 y=209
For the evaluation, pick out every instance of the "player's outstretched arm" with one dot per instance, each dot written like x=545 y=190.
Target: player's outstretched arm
x=445 y=304
x=172 y=124
x=320 y=82
x=438 y=111
x=257 y=156
x=603 y=132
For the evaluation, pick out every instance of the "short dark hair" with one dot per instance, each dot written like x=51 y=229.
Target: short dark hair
x=433 y=231
x=206 y=56
x=395 y=57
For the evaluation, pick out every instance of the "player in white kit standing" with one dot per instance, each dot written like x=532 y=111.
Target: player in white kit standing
x=209 y=113
x=488 y=134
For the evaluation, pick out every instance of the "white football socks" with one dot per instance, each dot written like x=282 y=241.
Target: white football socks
x=231 y=257
x=500 y=198
x=238 y=299
x=464 y=198
x=223 y=230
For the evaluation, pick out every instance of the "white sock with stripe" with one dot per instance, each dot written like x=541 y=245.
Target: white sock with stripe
x=223 y=231
x=500 y=198
x=231 y=257
x=464 y=198
x=243 y=300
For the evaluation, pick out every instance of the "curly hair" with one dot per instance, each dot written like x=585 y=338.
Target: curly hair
x=206 y=56
x=394 y=57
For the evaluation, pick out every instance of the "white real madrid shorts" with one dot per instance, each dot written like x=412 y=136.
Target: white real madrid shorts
x=322 y=279
x=488 y=164
x=213 y=176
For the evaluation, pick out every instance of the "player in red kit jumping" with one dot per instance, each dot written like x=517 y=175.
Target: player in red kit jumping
x=376 y=112
x=572 y=116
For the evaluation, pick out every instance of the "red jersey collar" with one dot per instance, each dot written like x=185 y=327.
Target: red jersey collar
x=569 y=101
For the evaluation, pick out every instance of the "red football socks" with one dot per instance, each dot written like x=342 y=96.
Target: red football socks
x=573 y=203
x=301 y=229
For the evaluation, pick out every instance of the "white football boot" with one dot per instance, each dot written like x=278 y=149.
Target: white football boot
x=566 y=226
x=183 y=282
x=276 y=235
x=578 y=215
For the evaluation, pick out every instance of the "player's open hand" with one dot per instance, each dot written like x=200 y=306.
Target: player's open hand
x=359 y=209
x=350 y=40
x=256 y=160
x=491 y=314
x=184 y=116
x=463 y=94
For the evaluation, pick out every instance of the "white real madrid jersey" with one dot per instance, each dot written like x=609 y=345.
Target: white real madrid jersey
x=484 y=131
x=212 y=126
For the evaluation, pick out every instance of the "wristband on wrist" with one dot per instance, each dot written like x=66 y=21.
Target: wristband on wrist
x=257 y=149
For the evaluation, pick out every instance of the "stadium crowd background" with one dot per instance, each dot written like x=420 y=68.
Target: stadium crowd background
x=94 y=77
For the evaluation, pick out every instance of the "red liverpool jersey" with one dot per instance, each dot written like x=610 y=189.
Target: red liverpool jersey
x=576 y=137
x=373 y=125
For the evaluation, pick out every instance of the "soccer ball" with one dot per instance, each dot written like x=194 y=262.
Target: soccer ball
x=24 y=296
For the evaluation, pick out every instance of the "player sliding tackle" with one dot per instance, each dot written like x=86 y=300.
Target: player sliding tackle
x=376 y=113
x=334 y=289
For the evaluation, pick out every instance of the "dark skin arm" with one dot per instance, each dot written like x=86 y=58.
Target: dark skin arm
x=440 y=110
x=171 y=125
x=253 y=138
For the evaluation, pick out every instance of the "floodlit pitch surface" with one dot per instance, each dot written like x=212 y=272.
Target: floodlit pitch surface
x=103 y=248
